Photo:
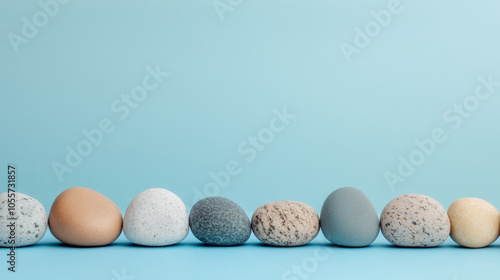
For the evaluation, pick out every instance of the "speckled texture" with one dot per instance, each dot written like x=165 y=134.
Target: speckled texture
x=348 y=218
x=475 y=223
x=156 y=217
x=31 y=223
x=415 y=220
x=219 y=221
x=285 y=223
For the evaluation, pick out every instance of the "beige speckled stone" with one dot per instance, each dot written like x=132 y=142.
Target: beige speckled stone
x=414 y=220
x=475 y=223
x=285 y=223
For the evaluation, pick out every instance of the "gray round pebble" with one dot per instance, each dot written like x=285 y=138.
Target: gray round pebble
x=31 y=223
x=348 y=218
x=219 y=221
x=415 y=220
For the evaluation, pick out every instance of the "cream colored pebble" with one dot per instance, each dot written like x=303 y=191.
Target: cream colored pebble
x=475 y=223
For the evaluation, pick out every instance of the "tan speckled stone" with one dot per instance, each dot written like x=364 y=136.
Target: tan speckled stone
x=285 y=223
x=475 y=223
x=414 y=220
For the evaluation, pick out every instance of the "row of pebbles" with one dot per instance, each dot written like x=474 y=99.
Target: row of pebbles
x=157 y=217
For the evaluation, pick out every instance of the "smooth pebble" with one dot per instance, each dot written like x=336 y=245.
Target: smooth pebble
x=156 y=217
x=475 y=223
x=31 y=223
x=219 y=221
x=83 y=217
x=415 y=220
x=348 y=218
x=285 y=223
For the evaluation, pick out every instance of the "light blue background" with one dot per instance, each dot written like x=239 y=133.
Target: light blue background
x=227 y=76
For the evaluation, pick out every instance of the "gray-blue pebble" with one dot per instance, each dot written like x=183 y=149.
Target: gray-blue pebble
x=219 y=221
x=348 y=218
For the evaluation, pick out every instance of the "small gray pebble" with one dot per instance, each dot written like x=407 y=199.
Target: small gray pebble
x=31 y=223
x=348 y=218
x=219 y=221
x=415 y=220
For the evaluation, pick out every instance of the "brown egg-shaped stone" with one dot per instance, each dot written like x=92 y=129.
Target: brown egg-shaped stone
x=83 y=217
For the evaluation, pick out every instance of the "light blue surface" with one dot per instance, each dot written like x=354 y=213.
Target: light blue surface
x=192 y=260
x=227 y=77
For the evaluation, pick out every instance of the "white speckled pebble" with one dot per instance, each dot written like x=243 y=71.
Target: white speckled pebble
x=415 y=220
x=31 y=222
x=156 y=217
